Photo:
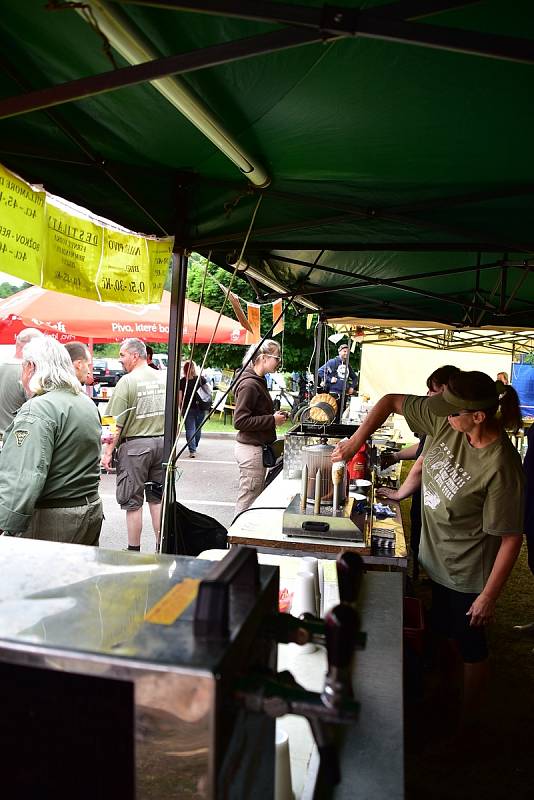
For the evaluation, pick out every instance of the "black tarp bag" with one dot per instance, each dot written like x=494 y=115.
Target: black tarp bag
x=193 y=532
x=190 y=532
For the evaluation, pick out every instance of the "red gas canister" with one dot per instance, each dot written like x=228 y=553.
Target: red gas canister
x=356 y=466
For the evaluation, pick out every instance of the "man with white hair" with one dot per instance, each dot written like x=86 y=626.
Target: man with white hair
x=49 y=465
x=138 y=405
x=11 y=392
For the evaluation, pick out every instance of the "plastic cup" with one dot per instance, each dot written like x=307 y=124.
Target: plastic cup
x=283 y=787
x=304 y=601
x=310 y=564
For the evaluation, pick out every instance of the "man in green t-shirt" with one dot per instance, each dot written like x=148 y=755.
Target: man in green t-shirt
x=138 y=405
x=472 y=505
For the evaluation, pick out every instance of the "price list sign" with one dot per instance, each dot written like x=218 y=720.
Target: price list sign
x=134 y=267
x=73 y=253
x=22 y=214
x=159 y=258
x=45 y=241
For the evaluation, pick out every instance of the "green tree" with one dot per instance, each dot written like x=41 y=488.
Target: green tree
x=296 y=341
x=7 y=289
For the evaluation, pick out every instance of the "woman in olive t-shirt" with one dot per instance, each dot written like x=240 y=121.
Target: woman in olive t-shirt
x=472 y=504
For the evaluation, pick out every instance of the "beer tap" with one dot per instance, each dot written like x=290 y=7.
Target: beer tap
x=280 y=694
x=350 y=571
x=342 y=625
x=277 y=694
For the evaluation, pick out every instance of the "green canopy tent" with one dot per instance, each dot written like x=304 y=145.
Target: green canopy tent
x=390 y=143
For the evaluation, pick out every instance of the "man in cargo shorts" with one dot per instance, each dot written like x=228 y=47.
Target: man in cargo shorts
x=138 y=405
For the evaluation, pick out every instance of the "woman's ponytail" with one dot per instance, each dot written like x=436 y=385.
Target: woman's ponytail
x=509 y=406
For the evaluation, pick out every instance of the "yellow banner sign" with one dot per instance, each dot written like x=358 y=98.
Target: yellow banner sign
x=22 y=217
x=54 y=244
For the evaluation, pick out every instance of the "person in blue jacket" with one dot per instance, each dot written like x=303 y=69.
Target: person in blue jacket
x=335 y=373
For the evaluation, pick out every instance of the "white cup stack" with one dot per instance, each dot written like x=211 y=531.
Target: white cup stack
x=283 y=787
x=304 y=596
x=310 y=564
x=304 y=602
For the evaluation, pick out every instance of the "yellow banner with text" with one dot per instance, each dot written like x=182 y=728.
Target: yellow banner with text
x=54 y=244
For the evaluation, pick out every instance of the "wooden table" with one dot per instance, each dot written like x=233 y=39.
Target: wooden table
x=261 y=526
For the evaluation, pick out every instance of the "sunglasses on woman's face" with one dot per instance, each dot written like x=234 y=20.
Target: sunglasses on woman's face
x=460 y=413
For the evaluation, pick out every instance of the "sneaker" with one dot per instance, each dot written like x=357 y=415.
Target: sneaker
x=192 y=455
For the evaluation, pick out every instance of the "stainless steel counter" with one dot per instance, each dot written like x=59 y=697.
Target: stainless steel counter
x=108 y=690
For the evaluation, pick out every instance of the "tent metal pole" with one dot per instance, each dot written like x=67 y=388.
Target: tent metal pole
x=318 y=345
x=176 y=325
x=344 y=392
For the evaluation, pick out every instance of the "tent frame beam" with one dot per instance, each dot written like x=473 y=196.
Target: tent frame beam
x=367 y=214
x=371 y=282
x=181 y=63
x=260 y=246
x=364 y=281
x=369 y=23
x=93 y=160
x=448 y=338
x=407 y=289
x=294 y=14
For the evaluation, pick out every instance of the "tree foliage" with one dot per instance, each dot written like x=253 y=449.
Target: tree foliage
x=296 y=342
x=7 y=289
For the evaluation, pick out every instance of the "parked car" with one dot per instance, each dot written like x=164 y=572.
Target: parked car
x=161 y=360
x=107 y=371
x=213 y=375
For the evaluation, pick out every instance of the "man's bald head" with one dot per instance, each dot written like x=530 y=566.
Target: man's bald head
x=22 y=338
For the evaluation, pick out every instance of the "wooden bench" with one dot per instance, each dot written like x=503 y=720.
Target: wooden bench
x=228 y=410
x=222 y=407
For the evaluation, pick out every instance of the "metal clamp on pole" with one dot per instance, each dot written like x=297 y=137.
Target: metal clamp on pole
x=239 y=569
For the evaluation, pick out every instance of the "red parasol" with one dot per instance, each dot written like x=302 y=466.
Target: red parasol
x=69 y=317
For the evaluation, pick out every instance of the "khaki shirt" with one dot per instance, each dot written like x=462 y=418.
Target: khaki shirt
x=471 y=497
x=138 y=403
x=51 y=452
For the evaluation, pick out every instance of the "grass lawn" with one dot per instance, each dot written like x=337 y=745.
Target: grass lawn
x=216 y=425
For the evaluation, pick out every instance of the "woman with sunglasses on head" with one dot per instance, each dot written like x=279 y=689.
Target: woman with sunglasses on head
x=255 y=419
x=472 y=506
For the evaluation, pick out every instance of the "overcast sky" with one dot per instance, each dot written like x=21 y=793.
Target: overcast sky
x=5 y=278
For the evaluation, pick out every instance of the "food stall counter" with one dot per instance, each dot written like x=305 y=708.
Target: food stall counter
x=262 y=526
